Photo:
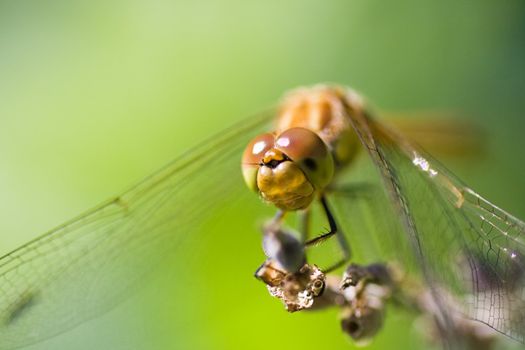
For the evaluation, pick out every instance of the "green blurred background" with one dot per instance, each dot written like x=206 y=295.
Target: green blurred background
x=95 y=95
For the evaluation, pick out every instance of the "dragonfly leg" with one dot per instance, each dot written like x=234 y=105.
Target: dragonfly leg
x=334 y=231
x=279 y=217
x=275 y=223
x=331 y=221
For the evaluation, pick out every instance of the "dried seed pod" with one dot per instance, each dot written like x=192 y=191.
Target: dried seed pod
x=297 y=290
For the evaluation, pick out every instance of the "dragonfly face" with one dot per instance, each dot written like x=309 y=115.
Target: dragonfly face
x=288 y=170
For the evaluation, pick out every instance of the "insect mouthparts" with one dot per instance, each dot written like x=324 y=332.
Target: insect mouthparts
x=273 y=163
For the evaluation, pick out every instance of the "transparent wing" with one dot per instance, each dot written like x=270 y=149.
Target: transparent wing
x=87 y=265
x=459 y=240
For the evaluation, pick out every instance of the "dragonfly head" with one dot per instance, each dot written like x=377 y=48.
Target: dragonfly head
x=289 y=169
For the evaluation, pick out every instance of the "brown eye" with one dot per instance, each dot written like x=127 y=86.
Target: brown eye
x=309 y=151
x=254 y=152
x=252 y=157
x=300 y=144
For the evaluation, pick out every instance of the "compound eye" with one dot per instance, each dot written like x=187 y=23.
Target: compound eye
x=300 y=144
x=309 y=151
x=254 y=152
x=252 y=158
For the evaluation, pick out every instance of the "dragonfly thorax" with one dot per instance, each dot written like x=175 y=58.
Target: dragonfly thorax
x=327 y=111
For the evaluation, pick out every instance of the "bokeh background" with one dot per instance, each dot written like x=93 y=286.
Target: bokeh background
x=94 y=95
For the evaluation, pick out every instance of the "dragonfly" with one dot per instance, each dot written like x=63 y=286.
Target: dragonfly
x=316 y=137
x=445 y=234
